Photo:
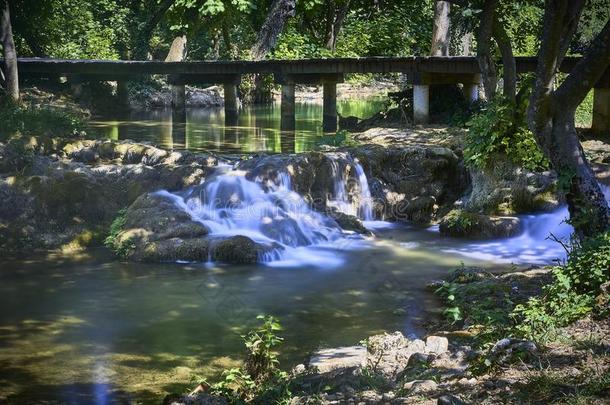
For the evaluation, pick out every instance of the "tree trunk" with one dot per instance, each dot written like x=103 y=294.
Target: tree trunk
x=508 y=61
x=143 y=37
x=177 y=50
x=484 y=57
x=11 y=76
x=336 y=22
x=440 y=30
x=267 y=37
x=551 y=112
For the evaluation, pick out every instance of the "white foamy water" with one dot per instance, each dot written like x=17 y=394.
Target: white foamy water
x=536 y=245
x=271 y=214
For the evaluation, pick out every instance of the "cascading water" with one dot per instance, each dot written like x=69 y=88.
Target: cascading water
x=362 y=205
x=536 y=245
x=272 y=214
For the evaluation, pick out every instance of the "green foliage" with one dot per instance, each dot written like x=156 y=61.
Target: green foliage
x=30 y=120
x=500 y=129
x=120 y=248
x=452 y=311
x=573 y=292
x=584 y=112
x=259 y=380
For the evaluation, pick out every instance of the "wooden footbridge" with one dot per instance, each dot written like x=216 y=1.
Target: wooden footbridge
x=420 y=71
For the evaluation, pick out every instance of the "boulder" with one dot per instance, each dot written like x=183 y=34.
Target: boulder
x=436 y=344
x=236 y=250
x=420 y=386
x=463 y=224
x=156 y=229
x=338 y=358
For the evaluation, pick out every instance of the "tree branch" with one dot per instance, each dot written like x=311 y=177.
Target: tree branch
x=587 y=71
x=508 y=60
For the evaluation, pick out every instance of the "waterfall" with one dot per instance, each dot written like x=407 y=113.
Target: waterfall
x=270 y=213
x=535 y=245
x=361 y=206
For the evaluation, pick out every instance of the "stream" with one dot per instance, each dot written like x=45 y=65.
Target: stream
x=91 y=329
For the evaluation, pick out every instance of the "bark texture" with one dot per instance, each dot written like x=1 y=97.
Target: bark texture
x=145 y=33
x=551 y=112
x=440 y=29
x=11 y=76
x=509 y=87
x=267 y=37
x=484 y=56
x=334 y=22
x=177 y=51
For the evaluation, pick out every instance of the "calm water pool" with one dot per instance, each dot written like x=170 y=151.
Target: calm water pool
x=257 y=128
x=97 y=329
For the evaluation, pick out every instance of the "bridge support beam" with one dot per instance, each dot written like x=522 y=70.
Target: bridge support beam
x=329 y=117
x=231 y=104
x=471 y=91
x=287 y=120
x=421 y=103
x=601 y=110
x=122 y=93
x=178 y=96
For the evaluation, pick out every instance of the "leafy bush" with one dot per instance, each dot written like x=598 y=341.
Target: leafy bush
x=573 y=293
x=29 y=120
x=259 y=380
x=588 y=266
x=500 y=129
x=120 y=248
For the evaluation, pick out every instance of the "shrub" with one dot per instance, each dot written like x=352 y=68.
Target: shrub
x=120 y=248
x=259 y=380
x=500 y=128
x=29 y=120
x=573 y=292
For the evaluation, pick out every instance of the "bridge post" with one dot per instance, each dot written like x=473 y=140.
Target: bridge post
x=471 y=91
x=122 y=93
x=601 y=109
x=178 y=96
x=329 y=116
x=231 y=103
x=287 y=121
x=421 y=103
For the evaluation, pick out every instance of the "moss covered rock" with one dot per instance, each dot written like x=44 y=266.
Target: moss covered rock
x=463 y=224
x=236 y=250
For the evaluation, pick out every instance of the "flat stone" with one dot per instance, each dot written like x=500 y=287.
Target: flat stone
x=437 y=344
x=341 y=357
x=420 y=386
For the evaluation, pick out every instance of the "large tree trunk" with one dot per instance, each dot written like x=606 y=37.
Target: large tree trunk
x=278 y=14
x=267 y=37
x=484 y=57
x=11 y=76
x=177 y=50
x=551 y=112
x=335 y=22
x=440 y=30
x=145 y=33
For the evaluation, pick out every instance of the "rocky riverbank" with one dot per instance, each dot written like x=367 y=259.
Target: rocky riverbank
x=67 y=192
x=453 y=366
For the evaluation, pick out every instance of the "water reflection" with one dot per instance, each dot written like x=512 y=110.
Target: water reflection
x=255 y=129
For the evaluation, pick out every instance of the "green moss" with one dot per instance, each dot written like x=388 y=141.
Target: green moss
x=121 y=247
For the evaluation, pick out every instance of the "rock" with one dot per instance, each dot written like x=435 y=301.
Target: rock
x=236 y=250
x=200 y=398
x=459 y=223
x=420 y=386
x=436 y=344
x=468 y=382
x=342 y=357
x=449 y=399
x=418 y=360
x=463 y=275
x=349 y=222
x=299 y=369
